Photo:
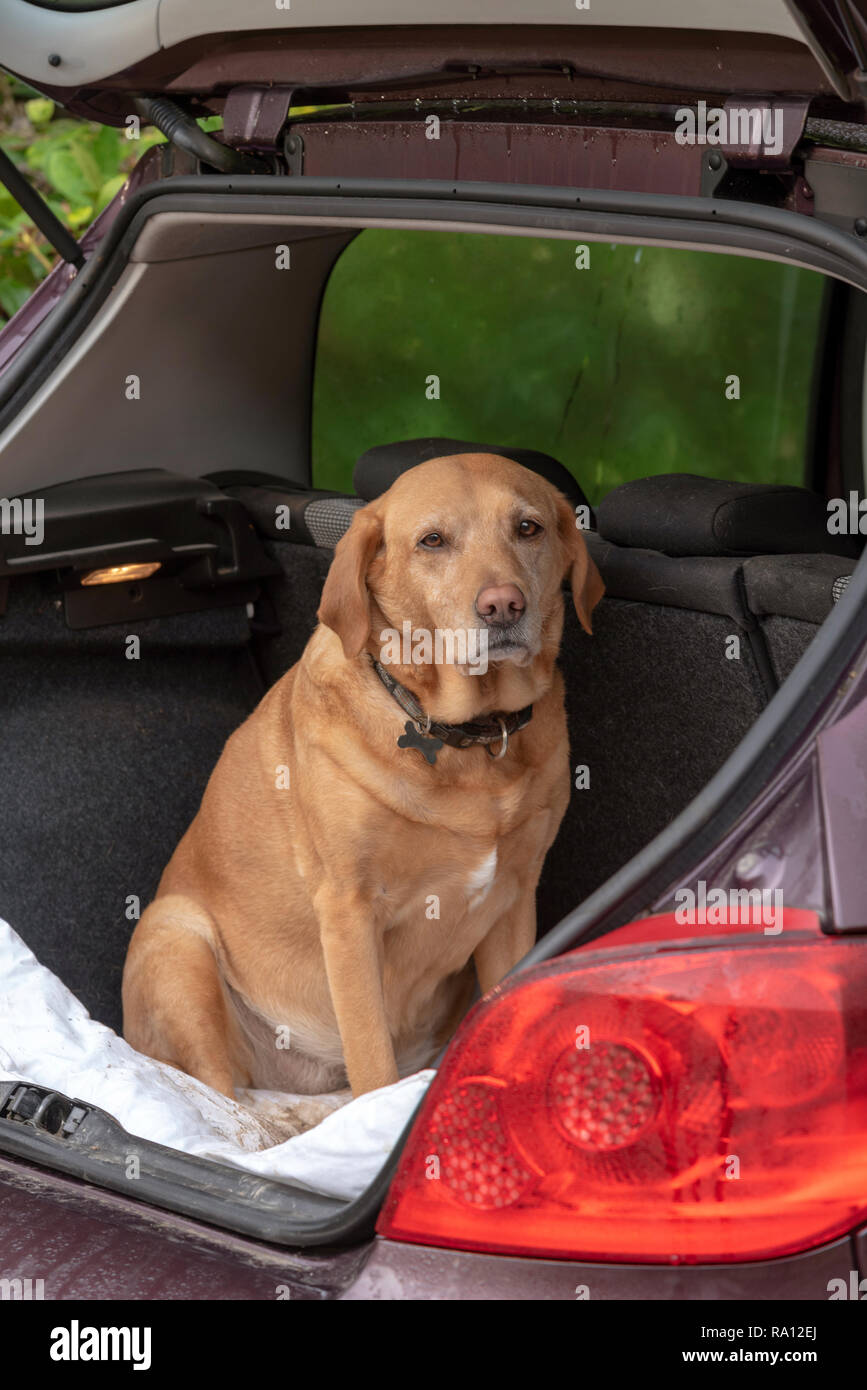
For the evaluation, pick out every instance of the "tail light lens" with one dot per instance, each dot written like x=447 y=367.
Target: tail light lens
x=681 y=1105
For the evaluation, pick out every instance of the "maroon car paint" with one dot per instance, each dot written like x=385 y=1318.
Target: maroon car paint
x=785 y=839
x=399 y=1271
x=548 y=154
x=84 y=1243
x=842 y=758
x=595 y=63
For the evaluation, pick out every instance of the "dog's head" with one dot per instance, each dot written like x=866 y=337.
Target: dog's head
x=474 y=548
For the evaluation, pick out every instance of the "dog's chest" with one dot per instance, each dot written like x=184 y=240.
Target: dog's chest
x=442 y=903
x=480 y=880
x=460 y=882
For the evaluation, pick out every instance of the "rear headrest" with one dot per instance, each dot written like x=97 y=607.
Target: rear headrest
x=377 y=469
x=681 y=514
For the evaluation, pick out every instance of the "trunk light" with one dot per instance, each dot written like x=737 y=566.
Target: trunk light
x=119 y=574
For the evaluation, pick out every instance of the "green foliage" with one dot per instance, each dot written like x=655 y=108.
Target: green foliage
x=78 y=167
x=619 y=370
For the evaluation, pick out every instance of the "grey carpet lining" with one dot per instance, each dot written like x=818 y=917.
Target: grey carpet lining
x=104 y=762
x=787 y=639
x=654 y=709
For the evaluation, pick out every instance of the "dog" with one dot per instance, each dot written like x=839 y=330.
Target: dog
x=370 y=841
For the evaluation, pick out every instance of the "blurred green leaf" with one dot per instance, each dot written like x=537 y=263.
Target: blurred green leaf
x=64 y=171
x=9 y=209
x=39 y=110
x=108 y=191
x=78 y=218
x=105 y=151
x=149 y=136
x=13 y=294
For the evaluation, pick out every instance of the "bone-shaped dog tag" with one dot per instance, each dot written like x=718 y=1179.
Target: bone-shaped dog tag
x=425 y=743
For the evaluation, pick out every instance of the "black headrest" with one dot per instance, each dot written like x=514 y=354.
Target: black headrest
x=377 y=469
x=682 y=514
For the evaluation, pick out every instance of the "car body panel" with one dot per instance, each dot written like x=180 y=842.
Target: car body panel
x=93 y=60
x=842 y=765
x=83 y=1242
x=66 y=1241
x=95 y=43
x=395 y=1270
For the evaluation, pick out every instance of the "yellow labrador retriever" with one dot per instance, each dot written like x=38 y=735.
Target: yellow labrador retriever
x=375 y=830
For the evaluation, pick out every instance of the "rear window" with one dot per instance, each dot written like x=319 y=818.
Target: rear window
x=621 y=361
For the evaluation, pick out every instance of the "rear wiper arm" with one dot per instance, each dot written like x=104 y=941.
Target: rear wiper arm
x=40 y=213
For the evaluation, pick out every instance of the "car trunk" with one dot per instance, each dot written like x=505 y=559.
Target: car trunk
x=106 y=743
x=111 y=752
x=108 y=746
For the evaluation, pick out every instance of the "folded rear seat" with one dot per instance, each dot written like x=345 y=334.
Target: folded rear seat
x=689 y=563
x=791 y=596
x=657 y=699
x=785 y=569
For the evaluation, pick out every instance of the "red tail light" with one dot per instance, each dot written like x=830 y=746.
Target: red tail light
x=690 y=1104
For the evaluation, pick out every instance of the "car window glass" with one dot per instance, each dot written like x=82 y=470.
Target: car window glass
x=621 y=361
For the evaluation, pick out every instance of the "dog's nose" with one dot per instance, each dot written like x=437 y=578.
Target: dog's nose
x=500 y=603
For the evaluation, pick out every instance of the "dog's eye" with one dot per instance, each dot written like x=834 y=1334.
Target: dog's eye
x=528 y=528
x=432 y=540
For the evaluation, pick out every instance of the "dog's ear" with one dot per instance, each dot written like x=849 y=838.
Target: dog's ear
x=345 y=604
x=584 y=577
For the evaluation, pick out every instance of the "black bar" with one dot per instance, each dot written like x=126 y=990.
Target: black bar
x=36 y=208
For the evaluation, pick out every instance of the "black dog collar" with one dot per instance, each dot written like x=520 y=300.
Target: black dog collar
x=428 y=737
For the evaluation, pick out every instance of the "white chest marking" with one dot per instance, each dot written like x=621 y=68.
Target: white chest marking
x=481 y=880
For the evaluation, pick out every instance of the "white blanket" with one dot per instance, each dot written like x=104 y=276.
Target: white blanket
x=47 y=1037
